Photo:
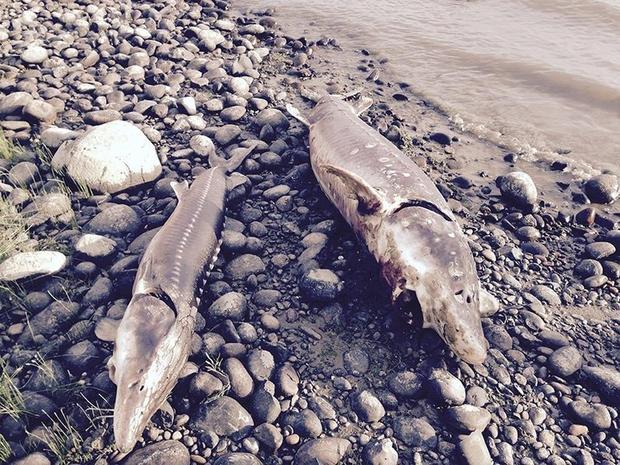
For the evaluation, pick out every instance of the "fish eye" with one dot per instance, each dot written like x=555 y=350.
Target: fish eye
x=468 y=299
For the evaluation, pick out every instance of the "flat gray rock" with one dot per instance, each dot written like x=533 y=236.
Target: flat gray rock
x=324 y=451
x=116 y=220
x=160 y=453
x=224 y=416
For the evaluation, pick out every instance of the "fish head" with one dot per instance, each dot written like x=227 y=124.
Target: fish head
x=142 y=366
x=427 y=254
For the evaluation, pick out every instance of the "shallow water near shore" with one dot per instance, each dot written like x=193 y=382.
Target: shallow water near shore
x=540 y=78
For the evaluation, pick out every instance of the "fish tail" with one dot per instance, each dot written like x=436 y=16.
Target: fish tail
x=232 y=163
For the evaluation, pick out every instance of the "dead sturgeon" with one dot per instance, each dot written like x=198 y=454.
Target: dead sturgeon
x=153 y=340
x=397 y=211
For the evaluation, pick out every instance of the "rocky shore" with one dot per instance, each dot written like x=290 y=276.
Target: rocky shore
x=302 y=358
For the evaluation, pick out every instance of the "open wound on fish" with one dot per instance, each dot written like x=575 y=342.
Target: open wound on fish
x=423 y=204
x=368 y=198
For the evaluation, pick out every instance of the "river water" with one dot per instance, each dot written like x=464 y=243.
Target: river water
x=538 y=76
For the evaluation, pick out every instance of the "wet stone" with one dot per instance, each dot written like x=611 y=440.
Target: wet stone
x=518 y=188
x=269 y=436
x=368 y=407
x=264 y=406
x=415 y=432
x=243 y=266
x=322 y=451
x=604 y=188
x=468 y=418
x=116 y=220
x=224 y=416
x=405 y=383
x=611 y=269
x=444 y=387
x=565 y=361
x=380 y=453
x=304 y=423
x=595 y=416
x=260 y=364
x=474 y=451
x=598 y=250
x=356 y=361
x=169 y=452
x=230 y=306
x=595 y=281
x=588 y=267
x=320 y=284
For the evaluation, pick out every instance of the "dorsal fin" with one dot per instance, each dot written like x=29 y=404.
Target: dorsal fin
x=362 y=105
x=297 y=114
x=179 y=188
x=369 y=199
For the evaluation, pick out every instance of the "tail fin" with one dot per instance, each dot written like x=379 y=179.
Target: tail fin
x=232 y=163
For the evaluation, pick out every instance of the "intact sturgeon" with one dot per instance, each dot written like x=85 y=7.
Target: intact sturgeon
x=153 y=339
x=397 y=211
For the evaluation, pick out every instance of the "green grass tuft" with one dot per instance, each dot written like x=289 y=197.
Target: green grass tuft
x=11 y=399
x=63 y=440
x=13 y=230
x=5 y=450
x=8 y=149
x=214 y=366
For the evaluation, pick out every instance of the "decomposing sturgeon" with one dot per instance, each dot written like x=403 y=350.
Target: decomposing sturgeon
x=397 y=211
x=153 y=339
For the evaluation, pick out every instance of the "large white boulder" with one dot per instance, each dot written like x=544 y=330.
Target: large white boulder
x=30 y=264
x=109 y=158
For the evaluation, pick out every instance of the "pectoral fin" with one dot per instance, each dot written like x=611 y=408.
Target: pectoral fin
x=298 y=115
x=179 y=188
x=106 y=329
x=188 y=369
x=369 y=199
x=235 y=180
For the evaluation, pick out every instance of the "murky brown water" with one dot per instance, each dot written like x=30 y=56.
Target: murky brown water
x=539 y=76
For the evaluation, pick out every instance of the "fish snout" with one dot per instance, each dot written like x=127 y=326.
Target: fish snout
x=468 y=343
x=475 y=353
x=125 y=436
x=128 y=419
